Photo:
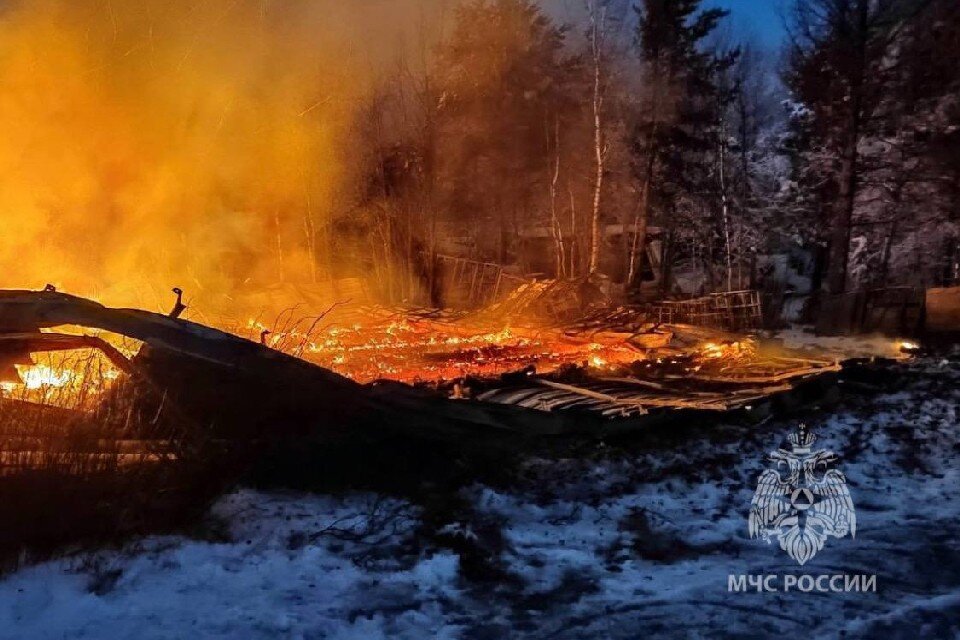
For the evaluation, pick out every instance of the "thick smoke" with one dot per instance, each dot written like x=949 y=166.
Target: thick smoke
x=152 y=143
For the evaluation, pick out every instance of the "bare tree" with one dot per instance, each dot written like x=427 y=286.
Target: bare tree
x=598 y=12
x=555 y=226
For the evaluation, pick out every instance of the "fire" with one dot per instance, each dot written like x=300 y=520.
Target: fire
x=62 y=378
x=117 y=129
x=734 y=350
x=374 y=343
x=39 y=376
x=597 y=362
x=415 y=350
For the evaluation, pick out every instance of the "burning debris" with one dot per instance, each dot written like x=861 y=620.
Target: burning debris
x=158 y=413
x=352 y=372
x=419 y=351
x=527 y=330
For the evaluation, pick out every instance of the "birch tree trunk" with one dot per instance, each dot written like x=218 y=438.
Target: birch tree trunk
x=576 y=250
x=597 y=17
x=278 y=230
x=642 y=222
x=724 y=200
x=310 y=231
x=557 y=230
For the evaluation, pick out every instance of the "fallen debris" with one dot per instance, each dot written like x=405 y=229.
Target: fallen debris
x=195 y=409
x=494 y=389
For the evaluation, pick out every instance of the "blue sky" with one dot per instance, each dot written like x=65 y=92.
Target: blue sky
x=760 y=18
x=754 y=19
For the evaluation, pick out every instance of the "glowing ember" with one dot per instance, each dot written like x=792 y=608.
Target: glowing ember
x=410 y=349
x=416 y=350
x=597 y=362
x=732 y=350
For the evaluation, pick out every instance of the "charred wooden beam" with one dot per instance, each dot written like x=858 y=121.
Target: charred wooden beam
x=233 y=387
x=31 y=310
x=44 y=342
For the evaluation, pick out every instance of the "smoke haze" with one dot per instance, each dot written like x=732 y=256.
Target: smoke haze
x=152 y=143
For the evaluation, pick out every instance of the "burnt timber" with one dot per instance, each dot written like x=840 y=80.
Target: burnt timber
x=231 y=387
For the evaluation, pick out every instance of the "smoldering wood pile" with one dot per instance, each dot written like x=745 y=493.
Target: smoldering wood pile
x=684 y=367
x=218 y=387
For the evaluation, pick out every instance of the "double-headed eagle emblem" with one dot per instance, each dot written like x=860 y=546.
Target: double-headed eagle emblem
x=807 y=505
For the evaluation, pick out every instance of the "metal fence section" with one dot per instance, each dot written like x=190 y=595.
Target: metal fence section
x=730 y=311
x=469 y=284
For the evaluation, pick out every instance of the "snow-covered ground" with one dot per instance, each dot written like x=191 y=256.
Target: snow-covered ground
x=624 y=541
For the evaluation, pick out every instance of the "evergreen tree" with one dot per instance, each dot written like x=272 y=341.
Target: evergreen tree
x=674 y=139
x=838 y=71
x=502 y=80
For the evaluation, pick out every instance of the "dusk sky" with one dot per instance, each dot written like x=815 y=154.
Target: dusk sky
x=761 y=18
x=758 y=20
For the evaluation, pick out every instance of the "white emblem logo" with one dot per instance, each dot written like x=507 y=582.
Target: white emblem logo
x=807 y=506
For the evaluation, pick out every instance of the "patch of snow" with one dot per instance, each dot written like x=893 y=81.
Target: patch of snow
x=623 y=543
x=262 y=583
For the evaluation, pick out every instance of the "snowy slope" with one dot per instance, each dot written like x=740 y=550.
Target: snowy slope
x=626 y=541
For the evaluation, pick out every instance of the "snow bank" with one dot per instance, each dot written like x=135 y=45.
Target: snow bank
x=621 y=543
